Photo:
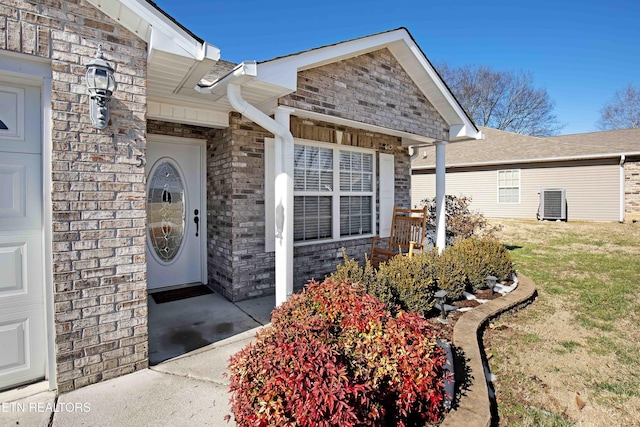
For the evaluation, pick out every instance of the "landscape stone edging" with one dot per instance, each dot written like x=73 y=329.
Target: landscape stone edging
x=474 y=407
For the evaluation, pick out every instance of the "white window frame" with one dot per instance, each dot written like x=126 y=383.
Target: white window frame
x=336 y=192
x=499 y=187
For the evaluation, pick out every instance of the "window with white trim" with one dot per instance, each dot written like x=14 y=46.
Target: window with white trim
x=334 y=192
x=509 y=186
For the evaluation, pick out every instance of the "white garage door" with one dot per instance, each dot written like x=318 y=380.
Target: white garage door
x=22 y=323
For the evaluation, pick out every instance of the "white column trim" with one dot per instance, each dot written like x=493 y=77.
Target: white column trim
x=441 y=200
x=284 y=208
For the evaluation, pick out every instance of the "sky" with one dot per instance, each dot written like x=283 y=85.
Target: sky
x=581 y=52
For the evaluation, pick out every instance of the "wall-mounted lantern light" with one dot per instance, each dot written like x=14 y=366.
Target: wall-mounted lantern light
x=100 y=85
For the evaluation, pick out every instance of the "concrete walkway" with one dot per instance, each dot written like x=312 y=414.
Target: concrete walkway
x=189 y=390
x=192 y=390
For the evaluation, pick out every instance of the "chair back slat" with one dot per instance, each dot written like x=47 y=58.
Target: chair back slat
x=408 y=231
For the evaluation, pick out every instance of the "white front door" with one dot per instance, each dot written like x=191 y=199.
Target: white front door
x=175 y=211
x=22 y=320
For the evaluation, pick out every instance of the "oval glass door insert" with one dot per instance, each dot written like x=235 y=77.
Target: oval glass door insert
x=166 y=211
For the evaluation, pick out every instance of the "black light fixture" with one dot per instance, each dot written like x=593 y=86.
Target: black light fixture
x=100 y=85
x=491 y=283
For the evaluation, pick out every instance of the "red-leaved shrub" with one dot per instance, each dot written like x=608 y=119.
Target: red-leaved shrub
x=336 y=356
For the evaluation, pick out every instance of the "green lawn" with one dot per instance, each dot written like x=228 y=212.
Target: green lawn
x=578 y=344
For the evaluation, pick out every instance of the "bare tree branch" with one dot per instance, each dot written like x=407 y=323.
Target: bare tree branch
x=502 y=99
x=622 y=111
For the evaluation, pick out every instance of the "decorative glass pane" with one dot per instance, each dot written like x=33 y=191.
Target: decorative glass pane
x=166 y=211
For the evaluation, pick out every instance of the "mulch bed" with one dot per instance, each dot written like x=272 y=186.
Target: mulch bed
x=445 y=330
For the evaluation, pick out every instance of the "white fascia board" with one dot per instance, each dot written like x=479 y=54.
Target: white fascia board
x=284 y=71
x=460 y=124
x=170 y=112
x=459 y=132
x=156 y=29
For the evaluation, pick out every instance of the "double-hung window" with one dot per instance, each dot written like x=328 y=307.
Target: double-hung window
x=334 y=192
x=509 y=186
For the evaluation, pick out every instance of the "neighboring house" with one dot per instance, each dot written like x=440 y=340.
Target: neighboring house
x=236 y=181
x=504 y=174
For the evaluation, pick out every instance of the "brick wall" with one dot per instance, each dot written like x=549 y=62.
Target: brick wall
x=632 y=189
x=238 y=265
x=98 y=189
x=371 y=88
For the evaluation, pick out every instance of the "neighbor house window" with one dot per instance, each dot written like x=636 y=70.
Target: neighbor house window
x=509 y=186
x=334 y=192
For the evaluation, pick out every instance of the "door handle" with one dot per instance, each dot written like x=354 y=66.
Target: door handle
x=196 y=219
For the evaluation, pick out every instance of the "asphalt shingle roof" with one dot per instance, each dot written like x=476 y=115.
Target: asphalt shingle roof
x=500 y=147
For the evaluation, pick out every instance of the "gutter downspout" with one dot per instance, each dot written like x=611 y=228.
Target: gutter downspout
x=622 y=201
x=283 y=185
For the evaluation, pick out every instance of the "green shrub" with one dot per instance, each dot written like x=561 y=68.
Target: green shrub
x=410 y=281
x=335 y=356
x=482 y=258
x=351 y=270
x=450 y=272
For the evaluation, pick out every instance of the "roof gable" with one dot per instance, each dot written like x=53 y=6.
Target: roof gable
x=372 y=88
x=283 y=72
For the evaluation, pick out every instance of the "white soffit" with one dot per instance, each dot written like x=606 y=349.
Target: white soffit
x=177 y=60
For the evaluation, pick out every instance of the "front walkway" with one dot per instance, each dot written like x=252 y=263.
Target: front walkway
x=188 y=390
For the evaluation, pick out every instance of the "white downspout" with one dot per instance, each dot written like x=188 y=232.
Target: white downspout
x=622 y=160
x=283 y=185
x=441 y=203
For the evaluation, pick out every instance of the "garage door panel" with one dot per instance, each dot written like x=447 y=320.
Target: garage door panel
x=20 y=267
x=21 y=359
x=14 y=341
x=22 y=318
x=20 y=187
x=11 y=264
x=19 y=110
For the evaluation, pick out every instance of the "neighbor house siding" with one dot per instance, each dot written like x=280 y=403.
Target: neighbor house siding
x=98 y=195
x=592 y=190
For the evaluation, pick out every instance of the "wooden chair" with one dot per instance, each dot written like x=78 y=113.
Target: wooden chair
x=408 y=229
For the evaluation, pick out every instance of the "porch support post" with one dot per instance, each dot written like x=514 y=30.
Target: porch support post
x=284 y=208
x=441 y=204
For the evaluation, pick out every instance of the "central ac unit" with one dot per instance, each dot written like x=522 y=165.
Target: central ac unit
x=553 y=204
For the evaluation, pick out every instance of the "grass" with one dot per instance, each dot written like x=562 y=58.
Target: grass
x=580 y=340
